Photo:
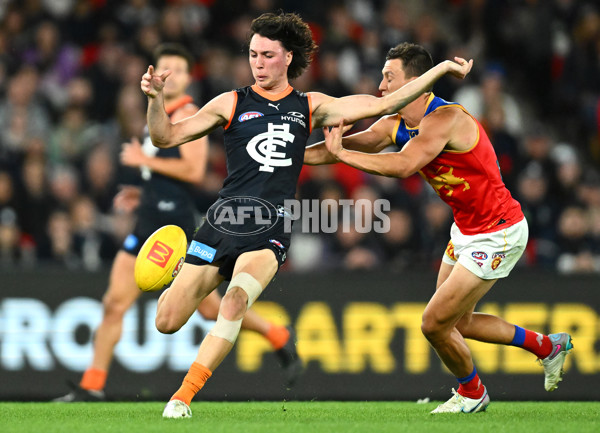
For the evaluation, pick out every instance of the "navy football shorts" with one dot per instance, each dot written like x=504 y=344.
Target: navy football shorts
x=211 y=246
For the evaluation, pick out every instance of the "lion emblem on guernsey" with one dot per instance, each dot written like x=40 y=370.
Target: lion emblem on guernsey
x=444 y=179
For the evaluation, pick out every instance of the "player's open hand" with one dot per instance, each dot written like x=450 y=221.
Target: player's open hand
x=127 y=199
x=460 y=67
x=333 y=138
x=132 y=155
x=152 y=83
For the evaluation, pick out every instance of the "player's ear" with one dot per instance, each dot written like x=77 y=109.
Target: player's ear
x=288 y=58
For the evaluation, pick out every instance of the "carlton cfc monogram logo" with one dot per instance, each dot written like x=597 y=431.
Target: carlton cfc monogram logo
x=160 y=254
x=263 y=147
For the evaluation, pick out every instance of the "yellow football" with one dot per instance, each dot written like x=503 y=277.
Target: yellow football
x=161 y=258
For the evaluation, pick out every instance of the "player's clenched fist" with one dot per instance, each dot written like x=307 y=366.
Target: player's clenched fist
x=153 y=83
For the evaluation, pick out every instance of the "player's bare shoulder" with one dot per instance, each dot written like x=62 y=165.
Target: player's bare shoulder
x=455 y=124
x=221 y=106
x=317 y=100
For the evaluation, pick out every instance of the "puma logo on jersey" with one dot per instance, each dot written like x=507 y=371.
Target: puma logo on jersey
x=263 y=147
x=275 y=106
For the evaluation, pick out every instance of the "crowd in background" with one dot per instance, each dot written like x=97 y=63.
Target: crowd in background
x=70 y=96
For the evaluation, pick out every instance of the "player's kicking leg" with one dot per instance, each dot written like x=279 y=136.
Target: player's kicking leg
x=252 y=273
x=281 y=338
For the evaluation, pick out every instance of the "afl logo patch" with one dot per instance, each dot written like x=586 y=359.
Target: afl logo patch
x=479 y=255
x=249 y=115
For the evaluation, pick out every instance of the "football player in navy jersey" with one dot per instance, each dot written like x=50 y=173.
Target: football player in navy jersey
x=163 y=198
x=266 y=130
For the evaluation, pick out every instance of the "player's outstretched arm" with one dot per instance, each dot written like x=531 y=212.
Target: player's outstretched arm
x=435 y=132
x=163 y=132
x=329 y=111
x=372 y=140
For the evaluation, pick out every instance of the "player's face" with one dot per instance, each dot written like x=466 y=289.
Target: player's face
x=269 y=62
x=393 y=77
x=180 y=77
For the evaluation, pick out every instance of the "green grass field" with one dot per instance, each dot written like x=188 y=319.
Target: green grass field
x=301 y=417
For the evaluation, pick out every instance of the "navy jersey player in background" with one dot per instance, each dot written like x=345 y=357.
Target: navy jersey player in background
x=266 y=130
x=165 y=197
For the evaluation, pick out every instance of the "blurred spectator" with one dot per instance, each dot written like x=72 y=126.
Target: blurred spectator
x=57 y=246
x=479 y=100
x=540 y=209
x=506 y=145
x=575 y=243
x=91 y=244
x=72 y=138
x=104 y=73
x=400 y=244
x=330 y=82
x=536 y=152
x=57 y=62
x=435 y=220
x=10 y=249
x=21 y=116
x=64 y=185
x=352 y=249
x=569 y=174
x=99 y=181
x=133 y=14
x=35 y=198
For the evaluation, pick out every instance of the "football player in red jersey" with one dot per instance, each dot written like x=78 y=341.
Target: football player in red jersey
x=449 y=148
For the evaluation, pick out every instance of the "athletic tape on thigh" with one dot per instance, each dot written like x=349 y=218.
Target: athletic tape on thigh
x=226 y=329
x=248 y=284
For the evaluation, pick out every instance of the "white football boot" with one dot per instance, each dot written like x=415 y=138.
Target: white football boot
x=459 y=403
x=177 y=409
x=553 y=363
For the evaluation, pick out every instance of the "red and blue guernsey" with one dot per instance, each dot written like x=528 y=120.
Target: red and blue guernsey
x=469 y=181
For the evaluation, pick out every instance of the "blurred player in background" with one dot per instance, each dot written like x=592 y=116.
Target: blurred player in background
x=164 y=198
x=452 y=152
x=267 y=126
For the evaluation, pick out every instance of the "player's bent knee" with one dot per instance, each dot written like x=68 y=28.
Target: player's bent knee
x=114 y=307
x=233 y=305
x=166 y=324
x=431 y=327
x=248 y=284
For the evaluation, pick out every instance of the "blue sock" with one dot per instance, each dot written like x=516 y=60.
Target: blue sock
x=519 y=337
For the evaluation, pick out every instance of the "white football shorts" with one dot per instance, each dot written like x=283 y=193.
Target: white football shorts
x=488 y=255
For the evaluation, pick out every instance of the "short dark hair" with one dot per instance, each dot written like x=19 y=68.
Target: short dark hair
x=416 y=60
x=173 y=49
x=293 y=33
